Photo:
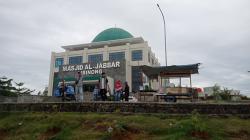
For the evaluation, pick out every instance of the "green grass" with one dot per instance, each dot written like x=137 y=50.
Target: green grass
x=78 y=126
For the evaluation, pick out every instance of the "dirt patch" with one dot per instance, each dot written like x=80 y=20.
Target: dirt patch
x=50 y=133
x=129 y=133
x=240 y=135
x=101 y=127
x=200 y=134
x=123 y=136
x=118 y=132
x=88 y=124
x=133 y=130
x=3 y=134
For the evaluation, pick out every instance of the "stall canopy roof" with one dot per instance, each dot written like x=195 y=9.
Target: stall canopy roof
x=171 y=71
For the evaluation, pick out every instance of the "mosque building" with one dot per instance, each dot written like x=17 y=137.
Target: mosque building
x=113 y=51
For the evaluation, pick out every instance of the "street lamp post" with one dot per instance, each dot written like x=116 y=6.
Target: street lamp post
x=164 y=33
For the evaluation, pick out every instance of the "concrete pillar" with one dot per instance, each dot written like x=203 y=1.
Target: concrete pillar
x=127 y=52
x=128 y=66
x=85 y=55
x=144 y=56
x=66 y=57
x=105 y=53
x=51 y=74
x=129 y=75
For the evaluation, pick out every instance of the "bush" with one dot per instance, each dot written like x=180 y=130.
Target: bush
x=194 y=126
x=220 y=94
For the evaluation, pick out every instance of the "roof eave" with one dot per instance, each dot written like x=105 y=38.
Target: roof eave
x=103 y=43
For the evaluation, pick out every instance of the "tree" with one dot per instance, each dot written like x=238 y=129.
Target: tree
x=221 y=94
x=45 y=92
x=216 y=92
x=225 y=94
x=7 y=88
x=39 y=93
x=20 y=90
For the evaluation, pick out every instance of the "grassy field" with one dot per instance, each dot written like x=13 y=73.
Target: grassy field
x=117 y=126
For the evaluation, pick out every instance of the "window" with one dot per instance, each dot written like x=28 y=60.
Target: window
x=58 y=62
x=95 y=58
x=136 y=78
x=116 y=56
x=75 y=60
x=136 y=55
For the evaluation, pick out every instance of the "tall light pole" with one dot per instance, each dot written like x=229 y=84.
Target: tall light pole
x=164 y=33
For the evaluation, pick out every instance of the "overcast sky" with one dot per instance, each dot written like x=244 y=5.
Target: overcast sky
x=215 y=33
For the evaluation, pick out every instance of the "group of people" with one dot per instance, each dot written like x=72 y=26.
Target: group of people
x=120 y=92
x=101 y=89
x=77 y=89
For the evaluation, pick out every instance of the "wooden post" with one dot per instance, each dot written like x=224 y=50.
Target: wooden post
x=190 y=81
x=161 y=82
x=180 y=81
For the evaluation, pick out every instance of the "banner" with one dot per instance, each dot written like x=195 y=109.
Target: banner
x=90 y=68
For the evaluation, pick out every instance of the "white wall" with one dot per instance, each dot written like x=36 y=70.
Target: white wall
x=127 y=48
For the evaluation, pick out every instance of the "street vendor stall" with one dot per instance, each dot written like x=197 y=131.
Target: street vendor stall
x=167 y=90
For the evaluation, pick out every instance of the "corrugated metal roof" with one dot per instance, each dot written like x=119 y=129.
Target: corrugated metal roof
x=171 y=71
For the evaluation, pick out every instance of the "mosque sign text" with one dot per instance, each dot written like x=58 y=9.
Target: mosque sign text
x=90 y=68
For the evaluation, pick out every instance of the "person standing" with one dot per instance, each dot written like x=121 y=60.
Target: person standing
x=62 y=90
x=79 y=84
x=126 y=91
x=96 y=92
x=103 y=82
x=118 y=90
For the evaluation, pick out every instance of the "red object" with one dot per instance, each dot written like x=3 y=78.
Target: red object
x=118 y=85
x=199 y=90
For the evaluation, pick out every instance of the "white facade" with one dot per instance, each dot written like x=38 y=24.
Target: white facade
x=127 y=46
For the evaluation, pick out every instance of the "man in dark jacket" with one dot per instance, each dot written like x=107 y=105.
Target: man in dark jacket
x=126 y=91
x=62 y=90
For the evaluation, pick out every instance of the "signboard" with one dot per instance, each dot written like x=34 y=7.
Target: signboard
x=91 y=68
x=91 y=71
